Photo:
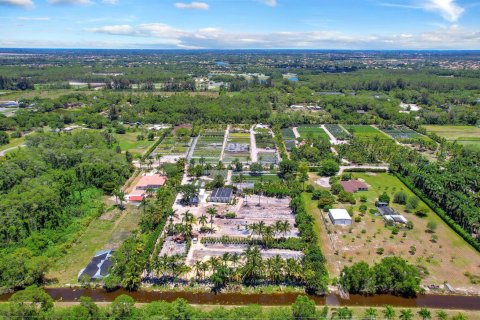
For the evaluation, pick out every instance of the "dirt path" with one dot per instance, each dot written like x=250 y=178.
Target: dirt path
x=193 y=145
x=4 y=152
x=225 y=140
x=253 y=145
x=296 y=133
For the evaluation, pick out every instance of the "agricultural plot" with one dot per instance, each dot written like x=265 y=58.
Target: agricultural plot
x=264 y=141
x=289 y=138
x=338 y=132
x=401 y=133
x=209 y=147
x=267 y=158
x=172 y=146
x=129 y=142
x=312 y=130
x=364 y=131
x=238 y=147
x=465 y=135
x=446 y=257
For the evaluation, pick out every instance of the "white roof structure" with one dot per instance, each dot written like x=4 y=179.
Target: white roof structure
x=340 y=214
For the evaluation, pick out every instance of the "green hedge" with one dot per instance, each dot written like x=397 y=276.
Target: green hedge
x=365 y=170
x=155 y=145
x=441 y=213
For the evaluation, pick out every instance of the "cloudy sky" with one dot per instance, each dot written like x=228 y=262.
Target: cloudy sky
x=312 y=24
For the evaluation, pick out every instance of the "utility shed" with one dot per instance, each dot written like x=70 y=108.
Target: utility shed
x=223 y=195
x=340 y=217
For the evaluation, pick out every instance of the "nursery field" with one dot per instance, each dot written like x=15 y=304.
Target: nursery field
x=238 y=138
x=264 y=141
x=402 y=132
x=312 y=130
x=173 y=146
x=338 y=132
x=364 y=131
x=209 y=146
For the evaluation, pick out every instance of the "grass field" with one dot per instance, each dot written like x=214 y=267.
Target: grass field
x=360 y=131
x=128 y=142
x=106 y=232
x=314 y=130
x=465 y=135
x=446 y=260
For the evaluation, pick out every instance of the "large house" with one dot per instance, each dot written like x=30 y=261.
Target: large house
x=353 y=186
x=147 y=182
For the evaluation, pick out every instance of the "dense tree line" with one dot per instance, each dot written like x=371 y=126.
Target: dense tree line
x=45 y=188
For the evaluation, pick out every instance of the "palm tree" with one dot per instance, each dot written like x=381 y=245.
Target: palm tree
x=275 y=268
x=406 y=314
x=225 y=258
x=268 y=235
x=203 y=220
x=198 y=269
x=442 y=315
x=213 y=262
x=204 y=269
x=158 y=156
x=212 y=211
x=254 y=266
x=370 y=314
x=235 y=258
x=121 y=198
x=425 y=314
x=389 y=313
x=293 y=269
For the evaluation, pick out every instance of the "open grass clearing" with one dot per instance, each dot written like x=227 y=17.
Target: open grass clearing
x=105 y=232
x=129 y=142
x=469 y=136
x=446 y=260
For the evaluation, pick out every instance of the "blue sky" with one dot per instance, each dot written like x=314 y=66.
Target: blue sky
x=312 y=24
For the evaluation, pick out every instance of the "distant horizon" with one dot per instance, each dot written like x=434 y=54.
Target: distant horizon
x=241 y=24
x=248 y=49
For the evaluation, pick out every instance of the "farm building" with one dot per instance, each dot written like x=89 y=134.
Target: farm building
x=237 y=147
x=223 y=195
x=353 y=186
x=98 y=267
x=396 y=218
x=340 y=217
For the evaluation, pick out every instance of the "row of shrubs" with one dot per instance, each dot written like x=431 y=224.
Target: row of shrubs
x=163 y=134
x=289 y=243
x=442 y=214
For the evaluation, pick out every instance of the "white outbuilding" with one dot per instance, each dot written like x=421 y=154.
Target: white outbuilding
x=340 y=217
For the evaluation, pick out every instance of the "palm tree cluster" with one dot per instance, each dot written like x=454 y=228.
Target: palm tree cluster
x=249 y=268
x=268 y=234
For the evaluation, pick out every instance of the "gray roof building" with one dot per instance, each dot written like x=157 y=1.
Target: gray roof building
x=223 y=195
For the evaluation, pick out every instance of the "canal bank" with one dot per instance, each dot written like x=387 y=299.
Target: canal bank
x=276 y=299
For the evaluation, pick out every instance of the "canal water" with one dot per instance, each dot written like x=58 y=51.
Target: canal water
x=275 y=299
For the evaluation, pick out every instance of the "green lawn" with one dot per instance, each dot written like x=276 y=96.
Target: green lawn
x=315 y=131
x=128 y=142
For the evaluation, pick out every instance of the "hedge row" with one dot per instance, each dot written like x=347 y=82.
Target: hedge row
x=441 y=213
x=155 y=145
x=289 y=244
x=365 y=170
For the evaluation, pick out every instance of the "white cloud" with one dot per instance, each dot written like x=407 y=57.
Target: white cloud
x=34 y=18
x=70 y=2
x=270 y=3
x=192 y=5
x=453 y=37
x=18 y=3
x=448 y=9
x=110 y=2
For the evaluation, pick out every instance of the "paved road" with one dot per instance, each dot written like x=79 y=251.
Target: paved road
x=192 y=148
x=225 y=140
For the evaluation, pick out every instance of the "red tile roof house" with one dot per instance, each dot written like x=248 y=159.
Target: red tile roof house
x=353 y=186
x=153 y=182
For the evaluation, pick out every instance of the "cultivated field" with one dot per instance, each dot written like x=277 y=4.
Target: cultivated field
x=173 y=146
x=239 y=138
x=312 y=130
x=360 y=131
x=338 y=132
x=447 y=259
x=209 y=146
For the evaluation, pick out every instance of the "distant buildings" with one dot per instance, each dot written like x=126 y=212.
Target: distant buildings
x=340 y=217
x=9 y=104
x=291 y=77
